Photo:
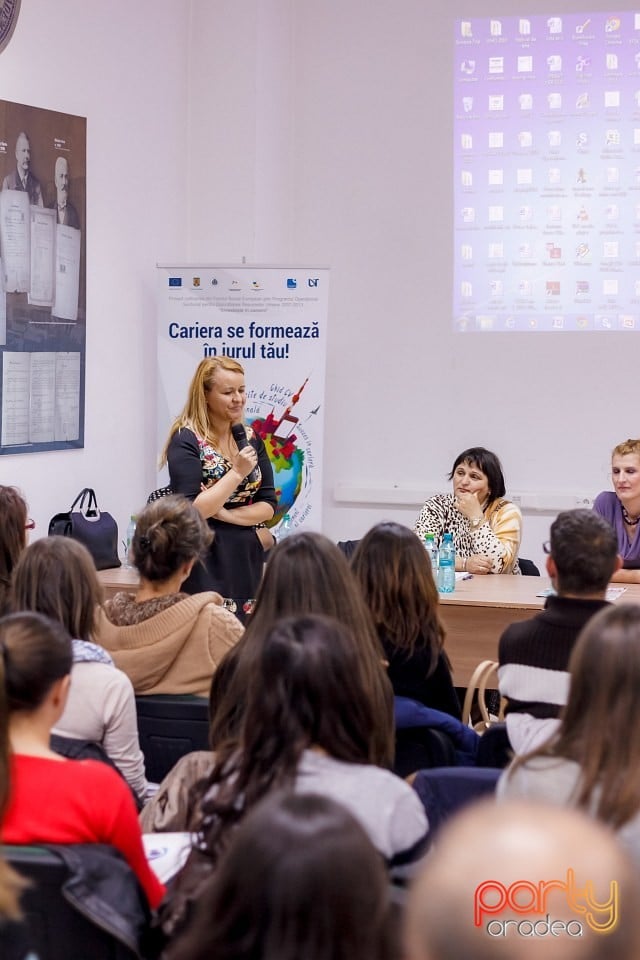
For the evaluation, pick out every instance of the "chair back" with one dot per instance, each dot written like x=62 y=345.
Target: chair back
x=446 y=790
x=168 y=727
x=56 y=929
x=528 y=568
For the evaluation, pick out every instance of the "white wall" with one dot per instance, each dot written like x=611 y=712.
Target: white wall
x=123 y=65
x=289 y=130
x=368 y=141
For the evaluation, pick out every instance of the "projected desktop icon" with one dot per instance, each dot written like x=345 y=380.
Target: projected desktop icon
x=554 y=25
x=582 y=27
x=468 y=67
x=553 y=250
x=582 y=100
x=557 y=323
x=468 y=214
x=636 y=60
x=581 y=176
x=467 y=104
x=554 y=137
x=612 y=25
x=525 y=101
x=495 y=177
x=466 y=178
x=495 y=251
x=496 y=64
x=582 y=251
x=582 y=140
x=636 y=288
x=610 y=249
x=525 y=138
x=612 y=98
x=554 y=63
x=554 y=176
x=582 y=64
x=466 y=289
x=582 y=215
x=554 y=213
x=496 y=139
x=525 y=288
x=466 y=252
x=525 y=213
x=552 y=288
x=611 y=61
x=466 y=141
x=605 y=323
x=613 y=175
x=554 y=101
x=496 y=214
x=524 y=27
x=636 y=98
x=496 y=288
x=524 y=176
x=495 y=28
x=582 y=288
x=525 y=251
x=496 y=101
x=525 y=64
x=612 y=138
x=609 y=286
x=612 y=211
x=465 y=28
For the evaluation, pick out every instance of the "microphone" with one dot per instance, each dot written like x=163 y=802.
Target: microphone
x=240 y=436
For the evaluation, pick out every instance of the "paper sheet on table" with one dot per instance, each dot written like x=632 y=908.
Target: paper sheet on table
x=167 y=852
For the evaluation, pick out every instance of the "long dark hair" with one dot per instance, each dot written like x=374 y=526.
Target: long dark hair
x=599 y=727
x=300 y=879
x=305 y=688
x=13 y=511
x=57 y=577
x=34 y=653
x=306 y=574
x=394 y=573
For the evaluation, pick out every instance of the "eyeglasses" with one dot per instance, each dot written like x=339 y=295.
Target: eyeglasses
x=546 y=546
x=30 y=524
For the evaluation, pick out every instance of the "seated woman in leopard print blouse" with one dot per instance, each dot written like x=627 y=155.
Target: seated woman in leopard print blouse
x=486 y=528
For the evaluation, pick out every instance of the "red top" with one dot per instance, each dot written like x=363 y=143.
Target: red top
x=76 y=801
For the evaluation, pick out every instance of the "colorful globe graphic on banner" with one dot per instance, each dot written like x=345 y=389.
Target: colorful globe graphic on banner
x=287 y=460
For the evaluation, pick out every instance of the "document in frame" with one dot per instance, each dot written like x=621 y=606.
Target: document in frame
x=43 y=242
x=67 y=412
x=65 y=305
x=15 y=231
x=15 y=398
x=42 y=392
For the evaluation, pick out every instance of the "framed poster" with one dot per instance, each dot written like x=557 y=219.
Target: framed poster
x=42 y=279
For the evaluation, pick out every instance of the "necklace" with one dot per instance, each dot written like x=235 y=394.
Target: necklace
x=632 y=521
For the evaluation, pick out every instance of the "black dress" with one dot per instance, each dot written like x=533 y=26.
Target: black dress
x=233 y=566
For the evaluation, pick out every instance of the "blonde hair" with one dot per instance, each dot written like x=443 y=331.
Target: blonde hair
x=627 y=447
x=195 y=413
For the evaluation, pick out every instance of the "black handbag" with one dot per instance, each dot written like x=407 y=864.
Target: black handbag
x=96 y=529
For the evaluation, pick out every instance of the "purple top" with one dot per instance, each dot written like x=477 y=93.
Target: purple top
x=610 y=508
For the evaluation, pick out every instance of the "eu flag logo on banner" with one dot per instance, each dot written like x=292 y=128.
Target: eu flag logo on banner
x=291 y=284
x=175 y=281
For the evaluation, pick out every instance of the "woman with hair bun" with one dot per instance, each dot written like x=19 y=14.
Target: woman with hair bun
x=167 y=641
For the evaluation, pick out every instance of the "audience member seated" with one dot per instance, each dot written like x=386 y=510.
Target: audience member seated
x=56 y=576
x=622 y=508
x=459 y=908
x=313 y=727
x=306 y=573
x=13 y=538
x=164 y=640
x=54 y=800
x=534 y=654
x=299 y=879
x=394 y=572
x=592 y=761
x=486 y=528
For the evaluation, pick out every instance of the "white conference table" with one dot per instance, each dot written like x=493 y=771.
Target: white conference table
x=474 y=615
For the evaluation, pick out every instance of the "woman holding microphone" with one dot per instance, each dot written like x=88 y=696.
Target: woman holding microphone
x=227 y=474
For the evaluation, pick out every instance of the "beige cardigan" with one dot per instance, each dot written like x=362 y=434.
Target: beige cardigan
x=175 y=651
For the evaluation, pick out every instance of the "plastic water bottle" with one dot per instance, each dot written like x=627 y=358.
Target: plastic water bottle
x=285 y=528
x=131 y=529
x=431 y=547
x=447 y=565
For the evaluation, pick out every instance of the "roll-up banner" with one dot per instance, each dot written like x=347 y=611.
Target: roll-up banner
x=272 y=320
